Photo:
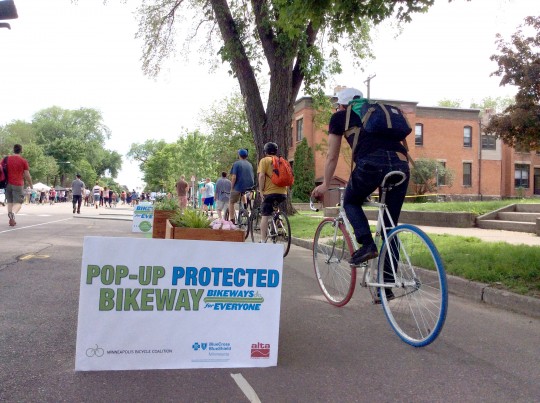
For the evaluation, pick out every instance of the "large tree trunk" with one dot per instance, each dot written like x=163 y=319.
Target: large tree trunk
x=274 y=124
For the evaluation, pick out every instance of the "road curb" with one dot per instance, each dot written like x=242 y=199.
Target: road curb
x=477 y=292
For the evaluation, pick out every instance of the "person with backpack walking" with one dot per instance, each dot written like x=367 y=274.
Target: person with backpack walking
x=269 y=189
x=242 y=179
x=18 y=171
x=375 y=155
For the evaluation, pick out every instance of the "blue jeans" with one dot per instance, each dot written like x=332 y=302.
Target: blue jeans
x=365 y=179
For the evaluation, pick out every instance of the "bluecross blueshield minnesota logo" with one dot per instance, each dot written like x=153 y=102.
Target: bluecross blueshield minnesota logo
x=199 y=346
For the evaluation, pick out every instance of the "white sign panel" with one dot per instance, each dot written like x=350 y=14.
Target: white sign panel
x=163 y=304
x=143 y=218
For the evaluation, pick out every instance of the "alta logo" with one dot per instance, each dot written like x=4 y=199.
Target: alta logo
x=260 y=350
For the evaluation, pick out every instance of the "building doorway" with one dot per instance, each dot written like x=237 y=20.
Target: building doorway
x=537 y=181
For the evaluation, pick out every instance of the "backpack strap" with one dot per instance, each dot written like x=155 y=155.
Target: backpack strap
x=353 y=131
x=275 y=161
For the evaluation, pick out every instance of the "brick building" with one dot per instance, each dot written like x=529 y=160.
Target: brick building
x=483 y=167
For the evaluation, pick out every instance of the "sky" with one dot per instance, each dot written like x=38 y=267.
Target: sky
x=85 y=55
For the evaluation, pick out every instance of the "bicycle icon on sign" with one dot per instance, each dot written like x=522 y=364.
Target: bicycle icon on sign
x=95 y=352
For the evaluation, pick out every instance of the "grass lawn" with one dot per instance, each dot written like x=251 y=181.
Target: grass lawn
x=512 y=267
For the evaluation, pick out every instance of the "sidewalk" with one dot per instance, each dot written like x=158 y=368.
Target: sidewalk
x=480 y=292
x=488 y=235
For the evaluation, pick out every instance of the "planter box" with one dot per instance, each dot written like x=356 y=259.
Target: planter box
x=160 y=222
x=203 y=234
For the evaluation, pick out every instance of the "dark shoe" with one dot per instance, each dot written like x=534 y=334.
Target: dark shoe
x=78 y=212
x=363 y=254
x=74 y=209
x=11 y=217
x=389 y=294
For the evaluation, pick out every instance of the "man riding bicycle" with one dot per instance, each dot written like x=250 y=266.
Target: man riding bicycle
x=241 y=179
x=270 y=193
x=374 y=156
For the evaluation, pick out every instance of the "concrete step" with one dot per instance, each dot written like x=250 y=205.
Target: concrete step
x=518 y=216
x=507 y=225
x=528 y=208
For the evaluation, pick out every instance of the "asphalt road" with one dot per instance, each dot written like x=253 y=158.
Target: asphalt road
x=325 y=353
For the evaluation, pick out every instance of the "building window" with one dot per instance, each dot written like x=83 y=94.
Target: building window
x=467 y=136
x=300 y=129
x=467 y=174
x=441 y=177
x=419 y=134
x=521 y=176
x=489 y=142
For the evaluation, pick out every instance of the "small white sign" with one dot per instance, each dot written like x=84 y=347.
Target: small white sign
x=143 y=218
x=164 y=304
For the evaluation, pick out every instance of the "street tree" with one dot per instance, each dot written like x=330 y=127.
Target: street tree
x=304 y=172
x=427 y=173
x=227 y=126
x=519 y=65
x=191 y=154
x=450 y=103
x=294 y=43
x=142 y=152
x=72 y=137
x=496 y=104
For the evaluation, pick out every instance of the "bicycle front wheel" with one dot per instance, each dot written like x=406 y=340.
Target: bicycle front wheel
x=243 y=222
x=416 y=300
x=332 y=247
x=281 y=232
x=255 y=225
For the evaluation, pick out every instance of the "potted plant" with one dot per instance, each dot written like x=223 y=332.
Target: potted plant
x=164 y=208
x=192 y=224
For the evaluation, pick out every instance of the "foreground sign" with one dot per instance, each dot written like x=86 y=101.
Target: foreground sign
x=161 y=304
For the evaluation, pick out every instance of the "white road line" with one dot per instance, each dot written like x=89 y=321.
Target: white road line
x=35 y=225
x=246 y=388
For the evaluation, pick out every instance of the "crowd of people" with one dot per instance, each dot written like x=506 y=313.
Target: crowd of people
x=236 y=187
x=374 y=156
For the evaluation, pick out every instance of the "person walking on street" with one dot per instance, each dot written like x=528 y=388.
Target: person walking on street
x=241 y=180
x=208 y=204
x=18 y=171
x=270 y=193
x=77 y=187
x=223 y=194
x=375 y=155
x=181 y=192
x=96 y=191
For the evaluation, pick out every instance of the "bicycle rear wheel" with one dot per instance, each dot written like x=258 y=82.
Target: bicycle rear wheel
x=243 y=222
x=332 y=247
x=416 y=305
x=283 y=235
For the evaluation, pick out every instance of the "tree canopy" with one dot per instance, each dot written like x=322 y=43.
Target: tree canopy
x=60 y=142
x=519 y=65
x=294 y=42
x=201 y=153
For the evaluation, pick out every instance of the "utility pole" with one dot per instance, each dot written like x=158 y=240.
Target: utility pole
x=368 y=82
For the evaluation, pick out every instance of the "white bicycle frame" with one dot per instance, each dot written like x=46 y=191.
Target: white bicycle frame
x=381 y=233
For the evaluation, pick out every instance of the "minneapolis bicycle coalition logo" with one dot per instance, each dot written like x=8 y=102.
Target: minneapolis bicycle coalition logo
x=233 y=300
x=95 y=351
